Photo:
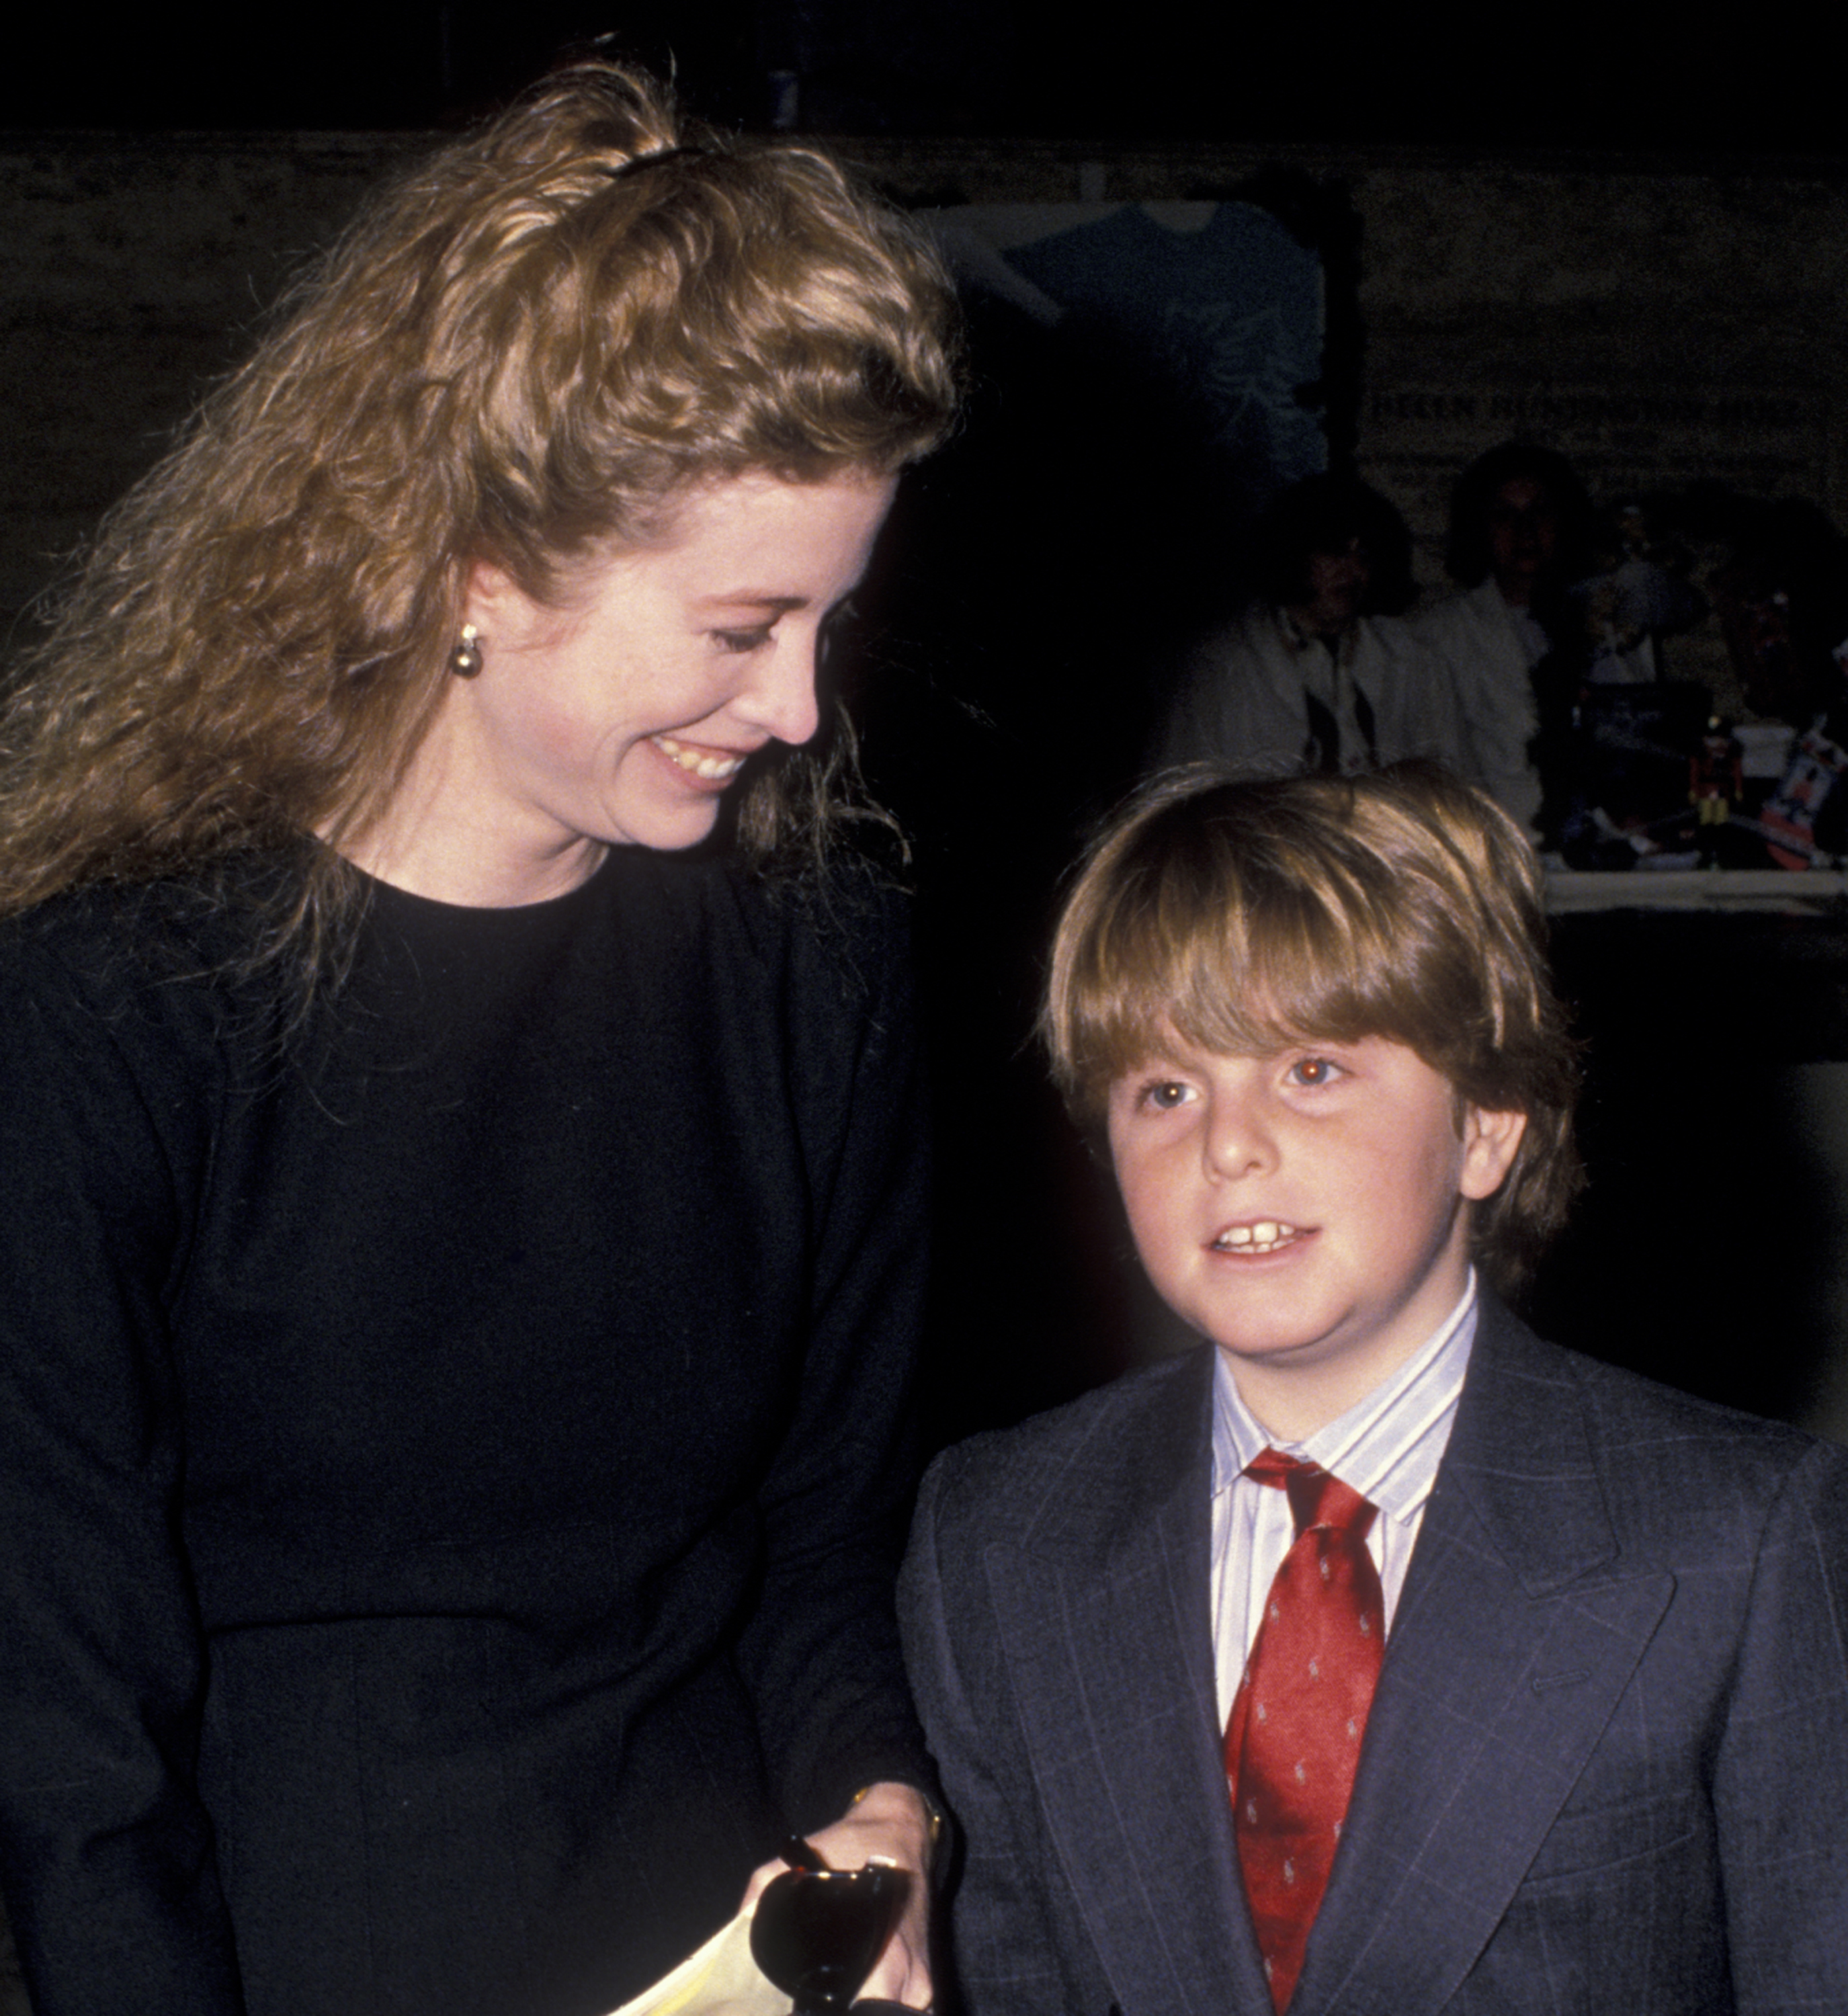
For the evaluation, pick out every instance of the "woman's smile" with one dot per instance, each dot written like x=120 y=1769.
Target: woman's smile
x=710 y=766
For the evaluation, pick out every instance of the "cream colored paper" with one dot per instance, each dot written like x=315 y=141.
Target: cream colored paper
x=721 y=1979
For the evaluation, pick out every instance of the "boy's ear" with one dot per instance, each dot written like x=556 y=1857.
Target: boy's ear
x=1490 y=1142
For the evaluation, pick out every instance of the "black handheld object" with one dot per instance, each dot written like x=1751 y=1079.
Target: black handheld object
x=817 y=1932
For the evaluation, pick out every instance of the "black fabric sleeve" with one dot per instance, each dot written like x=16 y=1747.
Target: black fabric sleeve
x=820 y=1654
x=107 y=1854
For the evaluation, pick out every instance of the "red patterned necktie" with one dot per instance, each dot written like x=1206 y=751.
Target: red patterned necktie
x=1293 y=1738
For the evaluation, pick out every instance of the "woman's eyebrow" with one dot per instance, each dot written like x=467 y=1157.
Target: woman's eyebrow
x=748 y=598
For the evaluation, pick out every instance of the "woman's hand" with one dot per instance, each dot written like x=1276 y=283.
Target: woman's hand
x=891 y=1821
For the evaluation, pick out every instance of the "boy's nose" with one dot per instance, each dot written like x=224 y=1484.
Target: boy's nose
x=1238 y=1139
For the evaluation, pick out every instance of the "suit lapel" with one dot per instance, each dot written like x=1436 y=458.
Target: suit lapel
x=1516 y=1635
x=1103 y=1609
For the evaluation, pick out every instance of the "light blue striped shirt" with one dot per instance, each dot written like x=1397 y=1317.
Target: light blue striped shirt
x=1387 y=1447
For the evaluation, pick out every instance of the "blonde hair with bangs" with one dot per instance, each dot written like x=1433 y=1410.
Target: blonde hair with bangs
x=1244 y=915
x=538 y=339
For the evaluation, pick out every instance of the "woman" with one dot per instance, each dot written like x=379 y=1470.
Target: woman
x=460 y=1267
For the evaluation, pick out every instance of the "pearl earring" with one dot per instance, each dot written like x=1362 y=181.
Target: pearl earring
x=465 y=660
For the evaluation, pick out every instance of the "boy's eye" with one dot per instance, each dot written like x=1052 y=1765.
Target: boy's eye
x=1314 y=1072
x=1164 y=1094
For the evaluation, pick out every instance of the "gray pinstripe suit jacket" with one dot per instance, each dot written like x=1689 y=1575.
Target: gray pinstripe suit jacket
x=1607 y=1766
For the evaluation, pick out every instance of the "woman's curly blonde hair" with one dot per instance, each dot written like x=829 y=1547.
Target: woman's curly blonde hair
x=536 y=339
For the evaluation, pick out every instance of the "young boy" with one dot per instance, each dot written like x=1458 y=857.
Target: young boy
x=1382 y=1660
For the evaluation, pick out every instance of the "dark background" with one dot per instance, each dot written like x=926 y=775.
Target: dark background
x=1707 y=77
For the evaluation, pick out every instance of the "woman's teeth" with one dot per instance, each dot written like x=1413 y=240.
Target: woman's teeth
x=1266 y=1237
x=701 y=762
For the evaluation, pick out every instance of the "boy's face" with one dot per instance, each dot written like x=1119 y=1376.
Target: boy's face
x=1307 y=1209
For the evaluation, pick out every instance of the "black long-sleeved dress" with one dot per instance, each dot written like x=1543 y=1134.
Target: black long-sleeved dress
x=448 y=1456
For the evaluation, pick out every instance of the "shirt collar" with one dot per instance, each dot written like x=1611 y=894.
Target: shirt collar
x=1386 y=1446
x=1297 y=640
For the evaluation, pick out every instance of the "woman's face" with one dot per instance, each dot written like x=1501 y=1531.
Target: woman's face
x=624 y=715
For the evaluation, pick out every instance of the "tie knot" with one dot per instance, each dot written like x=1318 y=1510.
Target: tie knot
x=1318 y=1497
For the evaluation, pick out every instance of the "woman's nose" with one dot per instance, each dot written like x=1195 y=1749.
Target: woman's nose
x=780 y=698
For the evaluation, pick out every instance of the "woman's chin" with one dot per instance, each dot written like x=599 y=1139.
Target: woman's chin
x=669 y=824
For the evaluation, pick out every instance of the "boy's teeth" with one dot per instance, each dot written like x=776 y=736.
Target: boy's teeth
x=701 y=762
x=1267 y=1234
